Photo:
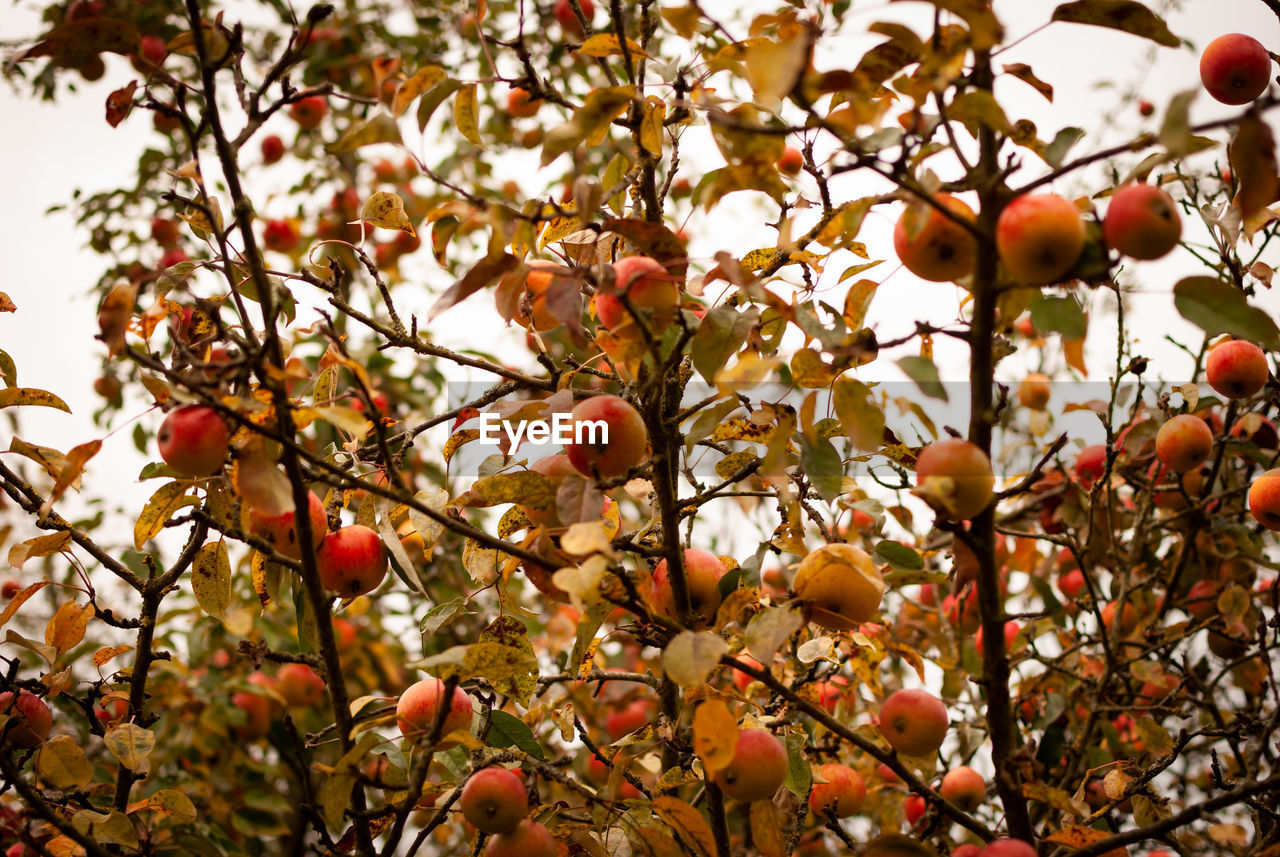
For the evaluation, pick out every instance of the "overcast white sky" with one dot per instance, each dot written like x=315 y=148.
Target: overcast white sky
x=52 y=149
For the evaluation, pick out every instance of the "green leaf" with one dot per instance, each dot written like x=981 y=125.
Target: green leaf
x=924 y=372
x=381 y=128
x=1056 y=152
x=1175 y=132
x=1218 y=307
x=822 y=464
x=1124 y=15
x=433 y=98
x=1062 y=315
x=690 y=657
x=799 y=774
x=507 y=730
x=899 y=555
x=8 y=371
x=862 y=419
x=719 y=336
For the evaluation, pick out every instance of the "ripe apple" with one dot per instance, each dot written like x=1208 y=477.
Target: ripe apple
x=740 y=679
x=280 y=532
x=1184 y=443
x=494 y=800
x=309 y=112
x=964 y=614
x=1008 y=848
x=569 y=20
x=1039 y=238
x=913 y=807
x=841 y=795
x=1142 y=222
x=258 y=711
x=790 y=161
x=914 y=722
x=964 y=787
x=933 y=246
x=1129 y=617
x=416 y=711
x=555 y=468
x=758 y=767
x=193 y=440
x=635 y=715
x=351 y=561
x=300 y=685
x=151 y=54
x=1262 y=433
x=1264 y=499
x=651 y=290
x=1010 y=632
x=111 y=710
x=520 y=105
x=702 y=572
x=164 y=231
x=173 y=256
x=1235 y=68
x=841 y=585
x=1146 y=108
x=9 y=589
x=29 y=719
x=608 y=436
x=532 y=311
x=1202 y=599
x=1091 y=463
x=967 y=850
x=1236 y=369
x=272 y=149
x=954 y=477
x=344 y=634
x=1071 y=583
x=1034 y=391
x=281 y=236
x=529 y=839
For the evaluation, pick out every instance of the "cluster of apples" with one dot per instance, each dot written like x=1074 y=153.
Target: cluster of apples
x=194 y=441
x=293 y=685
x=1040 y=236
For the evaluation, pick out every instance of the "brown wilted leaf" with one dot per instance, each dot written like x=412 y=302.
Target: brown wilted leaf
x=119 y=103
x=114 y=316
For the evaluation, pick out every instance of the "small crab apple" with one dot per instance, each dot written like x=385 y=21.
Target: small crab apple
x=300 y=685
x=258 y=712
x=954 y=477
x=914 y=807
x=1091 y=463
x=417 y=707
x=111 y=710
x=568 y=19
x=351 y=561
x=790 y=161
x=1184 y=443
x=964 y=787
x=164 y=231
x=743 y=680
x=1142 y=222
x=1008 y=848
x=1010 y=633
x=494 y=800
x=309 y=112
x=1071 y=583
x=1039 y=238
x=281 y=235
x=648 y=287
x=634 y=715
x=841 y=585
x=702 y=572
x=1146 y=108
x=9 y=589
x=1235 y=68
x=914 y=722
x=529 y=839
x=1236 y=369
x=29 y=719
x=1034 y=391
x=193 y=440
x=932 y=245
x=841 y=795
x=521 y=105
x=272 y=149
x=758 y=767
x=280 y=532
x=609 y=436
x=1264 y=499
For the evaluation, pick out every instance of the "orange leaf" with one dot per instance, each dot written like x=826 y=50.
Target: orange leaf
x=18 y=600
x=66 y=629
x=715 y=734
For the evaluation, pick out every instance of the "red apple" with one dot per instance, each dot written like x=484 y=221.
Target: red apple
x=1264 y=499
x=964 y=787
x=529 y=839
x=1236 y=369
x=416 y=711
x=280 y=532
x=300 y=685
x=1039 y=238
x=954 y=477
x=635 y=715
x=841 y=585
x=281 y=236
x=702 y=572
x=520 y=105
x=1184 y=443
x=1010 y=632
x=653 y=293
x=164 y=231
x=494 y=800
x=193 y=440
x=569 y=20
x=29 y=720
x=790 y=161
x=1034 y=391
x=1008 y=848
x=258 y=712
x=914 y=722
x=272 y=149
x=913 y=807
x=933 y=246
x=841 y=795
x=609 y=436
x=1091 y=463
x=309 y=112
x=758 y=767
x=352 y=561
x=1235 y=68
x=1142 y=222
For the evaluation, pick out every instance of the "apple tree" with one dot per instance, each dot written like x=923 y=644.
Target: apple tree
x=506 y=491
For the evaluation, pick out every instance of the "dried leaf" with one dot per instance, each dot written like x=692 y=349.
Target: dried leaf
x=386 y=211
x=211 y=579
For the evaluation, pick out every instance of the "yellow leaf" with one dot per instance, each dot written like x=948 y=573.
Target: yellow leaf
x=379 y=128
x=766 y=829
x=39 y=546
x=103 y=656
x=170 y=802
x=18 y=600
x=62 y=764
x=690 y=657
x=131 y=744
x=856 y=302
x=386 y=210
x=715 y=734
x=466 y=114
x=29 y=397
x=773 y=67
x=77 y=458
x=607 y=45
x=158 y=510
x=66 y=629
x=688 y=824
x=211 y=579
x=421 y=81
